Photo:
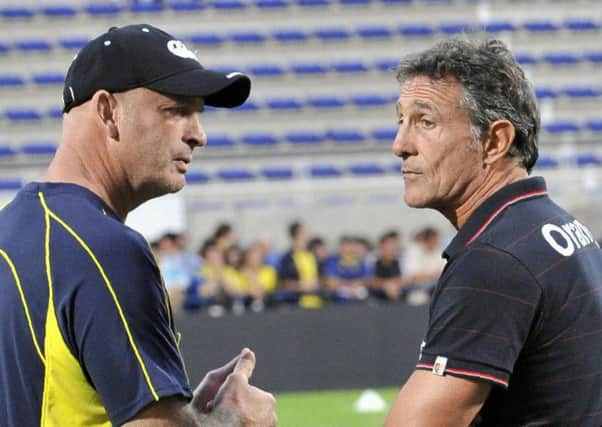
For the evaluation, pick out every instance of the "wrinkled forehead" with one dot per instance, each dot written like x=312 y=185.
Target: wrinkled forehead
x=422 y=92
x=145 y=96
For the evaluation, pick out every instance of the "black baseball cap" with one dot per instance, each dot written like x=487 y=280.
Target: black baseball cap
x=144 y=56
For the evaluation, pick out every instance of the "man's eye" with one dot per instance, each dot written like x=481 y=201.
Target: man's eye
x=427 y=124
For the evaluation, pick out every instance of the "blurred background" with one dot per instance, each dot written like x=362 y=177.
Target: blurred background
x=291 y=236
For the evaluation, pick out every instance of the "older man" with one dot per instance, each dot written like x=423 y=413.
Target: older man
x=514 y=336
x=87 y=336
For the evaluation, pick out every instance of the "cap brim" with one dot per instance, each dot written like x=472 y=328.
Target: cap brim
x=218 y=89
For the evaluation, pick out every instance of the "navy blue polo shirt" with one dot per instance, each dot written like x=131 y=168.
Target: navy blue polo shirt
x=87 y=337
x=519 y=305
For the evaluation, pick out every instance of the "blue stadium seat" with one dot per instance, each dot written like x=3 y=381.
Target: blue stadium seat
x=582 y=24
x=499 y=27
x=325 y=101
x=249 y=105
x=331 y=34
x=348 y=66
x=73 y=42
x=59 y=11
x=355 y=2
x=293 y=35
x=277 y=172
x=416 y=30
x=11 y=80
x=453 y=28
x=524 y=58
x=369 y=100
x=48 y=78
x=345 y=136
x=397 y=2
x=206 y=39
x=33 y=45
x=283 y=104
x=6 y=151
x=19 y=115
x=365 y=169
x=545 y=93
x=309 y=68
x=259 y=139
x=146 y=7
x=387 y=64
x=10 y=184
x=561 y=58
x=324 y=171
x=186 y=5
x=197 y=177
x=55 y=113
x=16 y=12
x=305 y=137
x=540 y=26
x=395 y=167
x=312 y=3
x=235 y=174
x=266 y=70
x=272 y=4
x=374 y=32
x=588 y=159
x=561 y=127
x=248 y=37
x=384 y=134
x=220 y=141
x=228 y=5
x=103 y=9
x=38 y=148
x=581 y=92
x=595 y=57
x=594 y=125
x=546 y=162
x=4 y=48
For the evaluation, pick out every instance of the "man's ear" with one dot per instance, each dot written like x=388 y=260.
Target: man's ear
x=500 y=139
x=106 y=106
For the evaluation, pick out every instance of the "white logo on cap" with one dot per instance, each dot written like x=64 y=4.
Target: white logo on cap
x=179 y=49
x=234 y=74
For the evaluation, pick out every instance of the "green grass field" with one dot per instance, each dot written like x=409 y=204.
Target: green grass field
x=329 y=409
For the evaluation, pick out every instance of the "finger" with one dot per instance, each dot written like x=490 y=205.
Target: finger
x=245 y=364
x=221 y=373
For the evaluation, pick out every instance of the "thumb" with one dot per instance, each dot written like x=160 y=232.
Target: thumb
x=245 y=364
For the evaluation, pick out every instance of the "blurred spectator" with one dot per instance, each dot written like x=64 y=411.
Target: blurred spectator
x=224 y=236
x=257 y=279
x=423 y=264
x=346 y=272
x=365 y=249
x=178 y=267
x=387 y=280
x=232 y=256
x=270 y=256
x=298 y=270
x=318 y=248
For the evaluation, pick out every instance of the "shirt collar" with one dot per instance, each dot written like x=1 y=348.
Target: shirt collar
x=486 y=213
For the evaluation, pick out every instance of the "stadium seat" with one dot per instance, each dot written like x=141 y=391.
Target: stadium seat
x=324 y=171
x=524 y=58
x=582 y=24
x=345 y=135
x=33 y=45
x=369 y=100
x=248 y=37
x=332 y=34
x=271 y=4
x=588 y=159
x=387 y=64
x=595 y=57
x=305 y=137
x=581 y=92
x=545 y=93
x=206 y=39
x=416 y=30
x=324 y=101
x=59 y=11
x=6 y=151
x=186 y=5
x=103 y=9
x=266 y=70
x=220 y=141
x=48 y=79
x=197 y=177
x=55 y=113
x=397 y=2
x=499 y=27
x=4 y=48
x=561 y=127
x=348 y=66
x=259 y=139
x=453 y=28
x=16 y=12
x=366 y=169
x=355 y=2
x=540 y=26
x=73 y=42
x=283 y=104
x=561 y=58
x=312 y=3
x=11 y=80
x=10 y=184
x=374 y=32
x=146 y=7
x=384 y=134
x=594 y=125
x=284 y=36
x=19 y=115
x=235 y=174
x=277 y=172
x=309 y=68
x=546 y=162
x=228 y=5
x=38 y=148
x=249 y=105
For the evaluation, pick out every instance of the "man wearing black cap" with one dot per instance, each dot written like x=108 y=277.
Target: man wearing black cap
x=87 y=336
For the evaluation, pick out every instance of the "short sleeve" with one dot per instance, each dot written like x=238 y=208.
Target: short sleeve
x=481 y=316
x=122 y=331
x=287 y=270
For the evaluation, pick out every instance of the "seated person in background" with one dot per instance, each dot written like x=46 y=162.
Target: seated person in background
x=257 y=279
x=224 y=237
x=298 y=270
x=347 y=274
x=270 y=256
x=178 y=267
x=423 y=264
x=387 y=281
x=318 y=248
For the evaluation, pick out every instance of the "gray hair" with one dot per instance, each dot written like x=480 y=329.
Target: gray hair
x=495 y=88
